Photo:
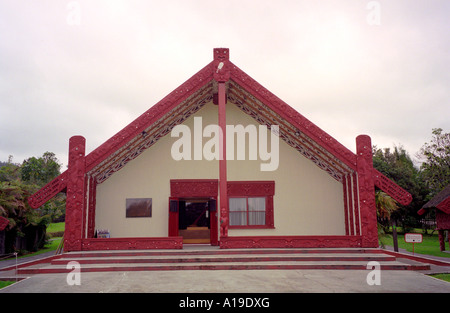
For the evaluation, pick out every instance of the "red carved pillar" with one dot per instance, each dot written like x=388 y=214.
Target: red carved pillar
x=75 y=201
x=91 y=207
x=222 y=75
x=368 y=211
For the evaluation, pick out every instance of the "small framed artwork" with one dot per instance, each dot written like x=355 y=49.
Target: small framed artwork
x=139 y=207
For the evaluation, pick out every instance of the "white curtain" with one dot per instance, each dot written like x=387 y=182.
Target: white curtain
x=257 y=211
x=254 y=207
x=238 y=211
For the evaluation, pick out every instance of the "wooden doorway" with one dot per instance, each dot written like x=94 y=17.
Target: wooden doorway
x=193 y=220
x=193 y=211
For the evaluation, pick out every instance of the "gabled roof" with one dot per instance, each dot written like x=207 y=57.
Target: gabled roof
x=441 y=201
x=243 y=91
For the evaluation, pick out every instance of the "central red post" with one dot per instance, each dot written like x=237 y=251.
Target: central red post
x=223 y=163
x=221 y=76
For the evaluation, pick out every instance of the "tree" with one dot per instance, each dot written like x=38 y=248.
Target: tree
x=40 y=170
x=435 y=168
x=27 y=227
x=398 y=166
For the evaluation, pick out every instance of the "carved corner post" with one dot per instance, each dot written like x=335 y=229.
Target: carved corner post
x=222 y=75
x=368 y=211
x=91 y=207
x=76 y=191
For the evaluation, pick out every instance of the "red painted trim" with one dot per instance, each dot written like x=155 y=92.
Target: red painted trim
x=356 y=203
x=92 y=206
x=251 y=188
x=174 y=207
x=239 y=242
x=346 y=206
x=132 y=243
x=223 y=162
x=392 y=189
x=48 y=191
x=350 y=201
x=185 y=188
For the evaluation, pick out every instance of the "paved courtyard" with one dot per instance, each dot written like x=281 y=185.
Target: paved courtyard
x=238 y=281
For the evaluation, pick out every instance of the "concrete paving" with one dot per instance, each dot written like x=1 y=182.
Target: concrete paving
x=255 y=281
x=231 y=281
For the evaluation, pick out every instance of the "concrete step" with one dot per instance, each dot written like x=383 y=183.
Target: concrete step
x=215 y=259
x=221 y=258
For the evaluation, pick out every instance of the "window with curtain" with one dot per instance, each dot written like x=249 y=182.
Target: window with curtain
x=247 y=211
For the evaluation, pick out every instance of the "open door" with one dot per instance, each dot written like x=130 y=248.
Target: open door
x=174 y=204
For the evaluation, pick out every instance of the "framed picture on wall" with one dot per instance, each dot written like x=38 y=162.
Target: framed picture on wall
x=139 y=207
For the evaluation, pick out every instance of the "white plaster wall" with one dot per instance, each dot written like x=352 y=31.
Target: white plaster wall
x=307 y=200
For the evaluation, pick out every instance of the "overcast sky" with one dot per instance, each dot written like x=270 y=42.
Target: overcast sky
x=91 y=67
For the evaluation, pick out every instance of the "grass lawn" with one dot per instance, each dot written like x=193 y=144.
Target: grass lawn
x=56 y=228
x=4 y=283
x=429 y=246
x=445 y=277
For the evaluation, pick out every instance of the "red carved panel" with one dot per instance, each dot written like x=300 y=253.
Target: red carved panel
x=75 y=200
x=184 y=188
x=138 y=243
x=366 y=191
x=442 y=220
x=91 y=206
x=3 y=223
x=392 y=189
x=221 y=64
x=48 y=191
x=241 y=242
x=251 y=188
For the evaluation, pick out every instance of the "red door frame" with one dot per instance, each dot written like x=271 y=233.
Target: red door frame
x=193 y=188
x=174 y=203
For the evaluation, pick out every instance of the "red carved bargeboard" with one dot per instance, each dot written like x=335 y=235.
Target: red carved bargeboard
x=135 y=243
x=290 y=242
x=395 y=191
x=48 y=191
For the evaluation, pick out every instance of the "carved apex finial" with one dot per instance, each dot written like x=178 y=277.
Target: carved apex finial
x=221 y=54
x=221 y=67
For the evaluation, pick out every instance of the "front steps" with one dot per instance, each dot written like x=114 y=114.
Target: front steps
x=211 y=258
